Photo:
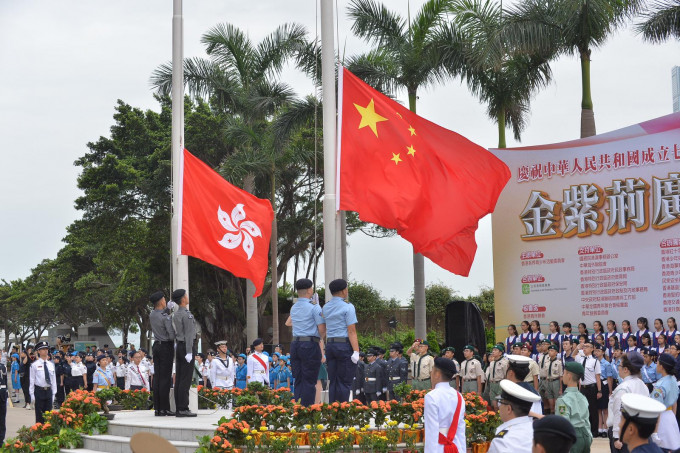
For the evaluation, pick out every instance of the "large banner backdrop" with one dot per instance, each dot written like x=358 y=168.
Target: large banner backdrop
x=590 y=229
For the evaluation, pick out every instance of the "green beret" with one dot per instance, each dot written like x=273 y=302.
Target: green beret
x=425 y=342
x=575 y=367
x=517 y=344
x=469 y=347
x=450 y=348
x=554 y=348
x=499 y=347
x=546 y=341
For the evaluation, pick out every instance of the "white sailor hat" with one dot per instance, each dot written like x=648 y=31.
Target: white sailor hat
x=641 y=408
x=518 y=358
x=516 y=394
x=220 y=343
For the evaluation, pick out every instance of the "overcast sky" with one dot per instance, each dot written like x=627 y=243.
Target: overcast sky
x=64 y=65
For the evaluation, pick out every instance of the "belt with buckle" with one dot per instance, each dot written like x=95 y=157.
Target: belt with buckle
x=314 y=339
x=553 y=379
x=371 y=379
x=393 y=378
x=470 y=380
x=45 y=388
x=337 y=340
x=421 y=380
x=259 y=371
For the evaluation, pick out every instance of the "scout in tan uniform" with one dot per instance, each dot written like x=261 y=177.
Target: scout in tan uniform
x=421 y=365
x=534 y=370
x=495 y=373
x=471 y=372
x=551 y=379
x=449 y=354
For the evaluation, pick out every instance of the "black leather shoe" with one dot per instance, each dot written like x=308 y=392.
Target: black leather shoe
x=159 y=414
x=185 y=414
x=168 y=413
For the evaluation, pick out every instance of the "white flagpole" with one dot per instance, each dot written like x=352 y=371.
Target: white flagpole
x=331 y=219
x=180 y=263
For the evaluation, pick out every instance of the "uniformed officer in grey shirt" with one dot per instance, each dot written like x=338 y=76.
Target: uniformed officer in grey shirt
x=185 y=327
x=163 y=348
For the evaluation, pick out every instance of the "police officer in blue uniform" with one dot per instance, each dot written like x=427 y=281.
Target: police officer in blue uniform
x=342 y=345
x=307 y=347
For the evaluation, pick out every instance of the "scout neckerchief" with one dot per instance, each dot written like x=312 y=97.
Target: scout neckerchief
x=102 y=374
x=447 y=442
x=418 y=367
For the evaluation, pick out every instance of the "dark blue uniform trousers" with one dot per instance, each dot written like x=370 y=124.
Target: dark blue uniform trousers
x=341 y=371
x=305 y=362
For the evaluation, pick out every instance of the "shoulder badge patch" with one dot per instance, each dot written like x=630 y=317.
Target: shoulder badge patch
x=191 y=316
x=502 y=433
x=562 y=409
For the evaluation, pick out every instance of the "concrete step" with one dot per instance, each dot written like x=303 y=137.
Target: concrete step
x=174 y=431
x=120 y=444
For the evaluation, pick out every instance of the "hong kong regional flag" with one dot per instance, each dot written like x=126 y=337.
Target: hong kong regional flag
x=403 y=172
x=222 y=224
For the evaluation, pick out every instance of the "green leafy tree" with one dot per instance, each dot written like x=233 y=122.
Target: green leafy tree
x=505 y=82
x=568 y=27
x=661 y=21
x=437 y=297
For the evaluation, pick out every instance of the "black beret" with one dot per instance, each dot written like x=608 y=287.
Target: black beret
x=102 y=356
x=557 y=426
x=155 y=297
x=446 y=365
x=257 y=341
x=337 y=285
x=303 y=283
x=178 y=294
x=666 y=359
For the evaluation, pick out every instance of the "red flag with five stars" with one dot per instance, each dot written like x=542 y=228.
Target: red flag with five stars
x=222 y=224
x=403 y=172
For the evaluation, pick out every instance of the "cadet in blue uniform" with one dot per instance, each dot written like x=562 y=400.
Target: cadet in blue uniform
x=666 y=391
x=648 y=372
x=307 y=347
x=241 y=371
x=342 y=349
x=639 y=416
x=396 y=370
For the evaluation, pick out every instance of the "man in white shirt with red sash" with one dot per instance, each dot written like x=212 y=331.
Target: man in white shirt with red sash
x=444 y=413
x=258 y=364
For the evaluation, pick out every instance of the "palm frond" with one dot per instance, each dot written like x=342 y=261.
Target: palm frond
x=662 y=21
x=430 y=15
x=377 y=68
x=375 y=23
x=232 y=49
x=297 y=114
x=272 y=51
x=269 y=96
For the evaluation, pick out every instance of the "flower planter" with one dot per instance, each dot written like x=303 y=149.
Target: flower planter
x=481 y=447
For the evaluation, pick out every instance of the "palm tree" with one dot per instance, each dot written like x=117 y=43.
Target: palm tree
x=662 y=21
x=240 y=77
x=571 y=27
x=504 y=82
x=407 y=56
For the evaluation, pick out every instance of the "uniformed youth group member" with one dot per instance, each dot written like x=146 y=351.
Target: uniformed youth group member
x=257 y=364
x=640 y=415
x=374 y=377
x=422 y=363
x=471 y=372
x=396 y=370
x=591 y=385
x=444 y=411
x=553 y=434
x=3 y=402
x=186 y=349
x=163 y=354
x=449 y=353
x=222 y=369
x=43 y=382
x=307 y=348
x=495 y=373
x=573 y=406
x=516 y=433
x=550 y=386
x=342 y=344
x=358 y=382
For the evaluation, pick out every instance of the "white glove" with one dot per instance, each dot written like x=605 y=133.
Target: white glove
x=655 y=438
x=355 y=357
x=378 y=393
x=315 y=299
x=188 y=357
x=171 y=306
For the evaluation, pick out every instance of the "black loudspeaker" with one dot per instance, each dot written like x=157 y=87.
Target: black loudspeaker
x=464 y=325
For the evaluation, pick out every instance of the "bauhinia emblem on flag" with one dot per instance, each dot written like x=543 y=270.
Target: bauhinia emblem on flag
x=403 y=172
x=237 y=238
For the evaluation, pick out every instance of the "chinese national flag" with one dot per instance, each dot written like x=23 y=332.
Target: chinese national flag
x=403 y=172
x=222 y=224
